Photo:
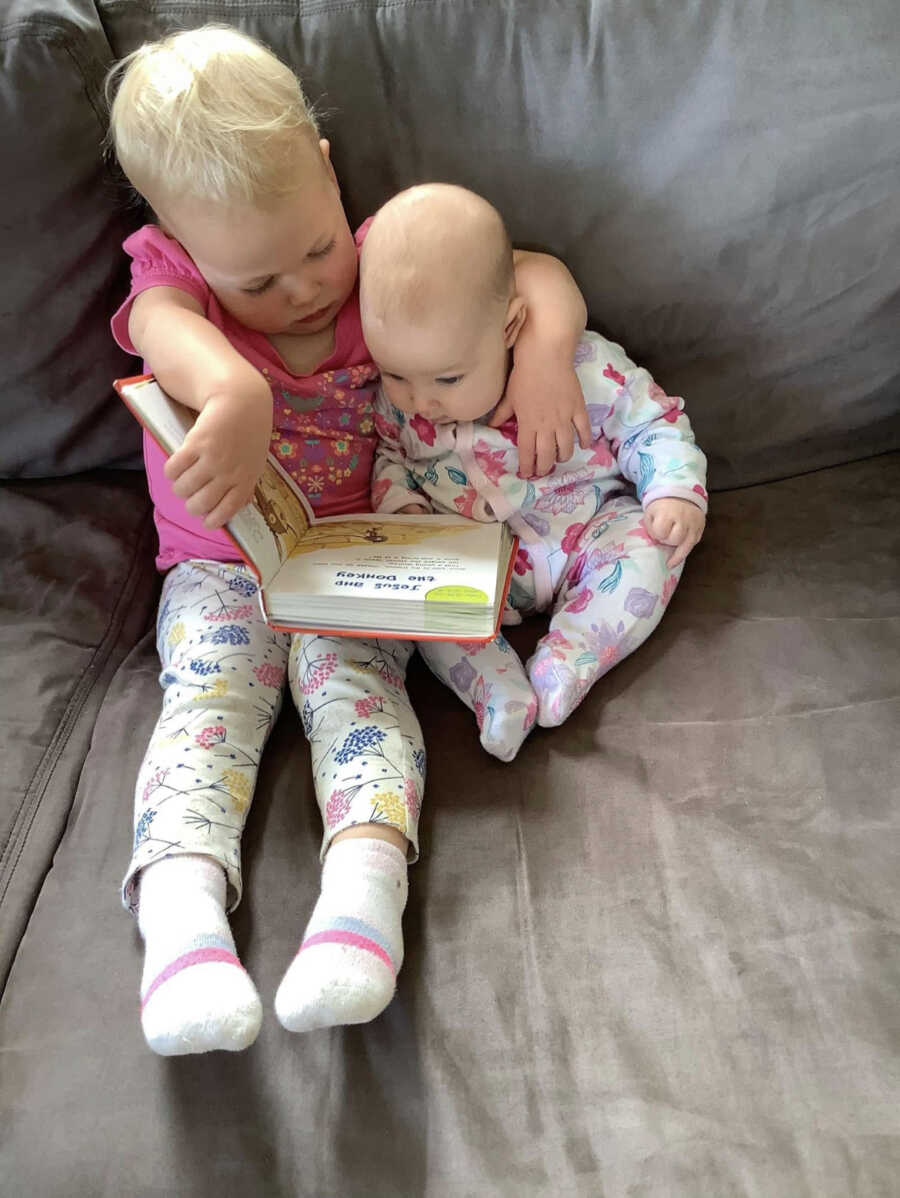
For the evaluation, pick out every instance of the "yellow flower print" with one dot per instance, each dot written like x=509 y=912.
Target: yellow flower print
x=238 y=787
x=341 y=447
x=176 y=636
x=389 y=808
x=216 y=691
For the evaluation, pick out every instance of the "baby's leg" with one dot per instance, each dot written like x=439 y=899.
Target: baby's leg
x=369 y=772
x=491 y=681
x=613 y=595
x=222 y=675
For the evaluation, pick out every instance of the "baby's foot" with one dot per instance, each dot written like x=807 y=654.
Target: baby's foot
x=558 y=688
x=195 y=994
x=346 y=968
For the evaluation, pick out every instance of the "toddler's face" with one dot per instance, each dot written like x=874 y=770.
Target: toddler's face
x=285 y=268
x=442 y=370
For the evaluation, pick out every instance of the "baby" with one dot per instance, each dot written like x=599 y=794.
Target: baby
x=602 y=539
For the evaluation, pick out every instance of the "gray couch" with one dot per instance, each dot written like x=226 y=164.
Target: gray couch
x=658 y=954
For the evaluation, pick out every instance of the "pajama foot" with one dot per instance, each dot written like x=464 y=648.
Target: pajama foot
x=558 y=687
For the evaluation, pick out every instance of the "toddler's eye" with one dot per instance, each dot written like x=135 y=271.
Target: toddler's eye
x=259 y=288
x=325 y=251
x=449 y=380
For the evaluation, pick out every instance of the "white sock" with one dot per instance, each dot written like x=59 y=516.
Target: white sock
x=346 y=968
x=195 y=994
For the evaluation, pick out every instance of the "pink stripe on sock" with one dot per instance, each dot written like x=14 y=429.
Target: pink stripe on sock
x=199 y=956
x=353 y=938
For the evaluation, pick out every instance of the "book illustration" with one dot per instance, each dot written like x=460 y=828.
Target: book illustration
x=278 y=506
x=342 y=534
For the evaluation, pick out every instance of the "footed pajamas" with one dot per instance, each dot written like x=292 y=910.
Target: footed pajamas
x=584 y=553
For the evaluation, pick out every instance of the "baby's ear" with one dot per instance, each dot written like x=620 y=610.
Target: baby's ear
x=515 y=318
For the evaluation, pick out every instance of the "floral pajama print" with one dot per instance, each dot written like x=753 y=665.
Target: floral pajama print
x=584 y=554
x=223 y=674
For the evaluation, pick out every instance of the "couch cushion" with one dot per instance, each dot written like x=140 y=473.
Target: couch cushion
x=722 y=178
x=61 y=230
x=78 y=590
x=656 y=955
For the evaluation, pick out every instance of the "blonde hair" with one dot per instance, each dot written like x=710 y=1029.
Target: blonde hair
x=209 y=114
x=430 y=241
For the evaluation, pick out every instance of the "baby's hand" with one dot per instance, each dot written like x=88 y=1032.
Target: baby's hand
x=413 y=509
x=547 y=400
x=675 y=522
x=223 y=456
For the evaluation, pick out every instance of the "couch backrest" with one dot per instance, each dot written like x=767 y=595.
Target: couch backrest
x=723 y=179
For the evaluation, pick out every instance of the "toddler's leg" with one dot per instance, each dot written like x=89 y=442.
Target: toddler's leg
x=613 y=595
x=369 y=772
x=222 y=674
x=491 y=681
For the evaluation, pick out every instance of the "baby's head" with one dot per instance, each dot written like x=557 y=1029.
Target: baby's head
x=215 y=132
x=439 y=306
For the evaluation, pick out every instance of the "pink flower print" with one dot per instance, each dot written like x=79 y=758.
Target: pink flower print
x=559 y=498
x=154 y=783
x=423 y=428
x=530 y=714
x=470 y=648
x=580 y=602
x=465 y=503
x=510 y=430
x=366 y=707
x=522 y=564
x=481 y=697
x=379 y=491
x=575 y=574
x=389 y=430
x=491 y=461
x=317 y=672
x=244 y=612
x=413 y=798
x=571 y=537
x=607 y=555
x=213 y=735
x=668 y=587
x=610 y=373
x=336 y=808
x=666 y=402
x=698 y=490
x=557 y=643
x=672 y=415
x=270 y=675
x=602 y=455
x=641 y=532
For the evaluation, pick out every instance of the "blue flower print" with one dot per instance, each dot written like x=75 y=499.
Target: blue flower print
x=419 y=759
x=142 y=831
x=230 y=634
x=360 y=740
x=242 y=586
x=196 y=666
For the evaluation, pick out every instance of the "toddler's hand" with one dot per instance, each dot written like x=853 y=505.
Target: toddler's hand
x=223 y=456
x=547 y=400
x=413 y=509
x=675 y=522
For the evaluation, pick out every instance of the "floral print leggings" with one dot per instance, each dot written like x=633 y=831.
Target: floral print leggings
x=223 y=673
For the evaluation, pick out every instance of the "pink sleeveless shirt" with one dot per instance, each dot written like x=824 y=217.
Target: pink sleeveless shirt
x=324 y=431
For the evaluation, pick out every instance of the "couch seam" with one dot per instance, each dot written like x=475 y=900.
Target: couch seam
x=45 y=769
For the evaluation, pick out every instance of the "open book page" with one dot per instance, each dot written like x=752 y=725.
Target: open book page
x=429 y=558
x=269 y=529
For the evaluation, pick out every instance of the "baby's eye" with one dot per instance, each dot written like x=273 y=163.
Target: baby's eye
x=449 y=380
x=259 y=288
x=325 y=250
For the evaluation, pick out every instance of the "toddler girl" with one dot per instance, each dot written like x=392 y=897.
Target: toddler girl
x=243 y=303
x=602 y=539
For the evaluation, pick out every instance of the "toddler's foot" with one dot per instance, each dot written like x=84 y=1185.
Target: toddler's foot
x=346 y=968
x=195 y=994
